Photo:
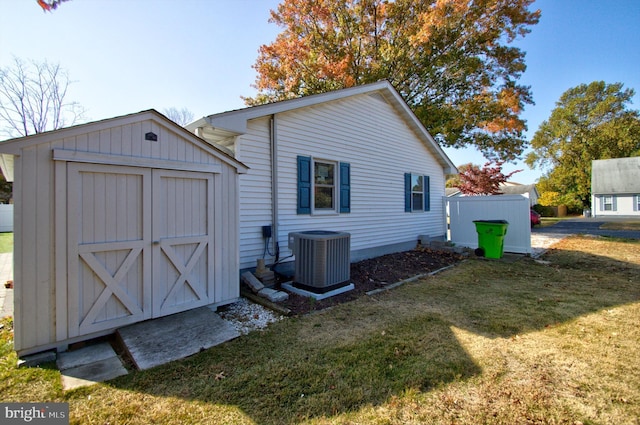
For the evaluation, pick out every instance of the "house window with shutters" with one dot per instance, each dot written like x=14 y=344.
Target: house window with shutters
x=417 y=193
x=607 y=203
x=324 y=186
x=636 y=204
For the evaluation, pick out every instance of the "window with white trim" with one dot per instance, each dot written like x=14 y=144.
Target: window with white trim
x=417 y=193
x=607 y=203
x=324 y=186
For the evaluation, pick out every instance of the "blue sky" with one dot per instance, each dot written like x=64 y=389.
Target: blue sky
x=130 y=55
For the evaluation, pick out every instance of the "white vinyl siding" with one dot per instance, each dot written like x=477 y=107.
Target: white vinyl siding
x=363 y=131
x=254 y=150
x=616 y=205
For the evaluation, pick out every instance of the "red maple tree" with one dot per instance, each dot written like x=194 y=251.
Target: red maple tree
x=474 y=180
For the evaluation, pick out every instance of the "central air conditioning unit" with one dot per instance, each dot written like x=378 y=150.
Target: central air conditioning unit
x=323 y=260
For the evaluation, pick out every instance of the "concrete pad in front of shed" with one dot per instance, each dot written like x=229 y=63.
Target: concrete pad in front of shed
x=170 y=338
x=88 y=365
x=91 y=373
x=85 y=355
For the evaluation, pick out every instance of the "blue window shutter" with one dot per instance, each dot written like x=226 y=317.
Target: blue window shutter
x=407 y=192
x=636 y=202
x=615 y=203
x=427 y=193
x=345 y=187
x=304 y=185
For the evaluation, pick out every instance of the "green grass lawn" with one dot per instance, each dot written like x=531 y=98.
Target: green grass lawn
x=630 y=224
x=486 y=342
x=6 y=242
x=548 y=221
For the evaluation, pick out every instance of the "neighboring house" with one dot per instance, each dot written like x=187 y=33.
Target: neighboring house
x=452 y=191
x=118 y=221
x=526 y=190
x=355 y=160
x=508 y=188
x=615 y=187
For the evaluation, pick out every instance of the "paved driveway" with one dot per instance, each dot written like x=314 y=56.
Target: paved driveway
x=586 y=226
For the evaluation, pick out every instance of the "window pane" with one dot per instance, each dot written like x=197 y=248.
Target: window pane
x=417 y=200
x=324 y=198
x=416 y=183
x=608 y=203
x=324 y=173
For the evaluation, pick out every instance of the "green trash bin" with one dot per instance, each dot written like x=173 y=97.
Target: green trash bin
x=491 y=237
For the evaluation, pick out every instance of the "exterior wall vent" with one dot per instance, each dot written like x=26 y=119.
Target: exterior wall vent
x=323 y=260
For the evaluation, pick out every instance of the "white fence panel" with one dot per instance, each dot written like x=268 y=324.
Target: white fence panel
x=463 y=210
x=6 y=217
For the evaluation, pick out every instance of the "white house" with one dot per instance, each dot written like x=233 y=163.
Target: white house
x=615 y=187
x=355 y=160
x=118 y=221
x=508 y=188
x=526 y=190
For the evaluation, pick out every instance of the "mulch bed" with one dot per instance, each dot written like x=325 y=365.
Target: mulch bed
x=377 y=273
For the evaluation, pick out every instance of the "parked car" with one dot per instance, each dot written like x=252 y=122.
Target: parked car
x=535 y=218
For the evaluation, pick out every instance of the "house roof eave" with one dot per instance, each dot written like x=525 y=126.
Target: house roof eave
x=236 y=121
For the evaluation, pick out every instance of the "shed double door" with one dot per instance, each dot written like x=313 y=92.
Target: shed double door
x=140 y=244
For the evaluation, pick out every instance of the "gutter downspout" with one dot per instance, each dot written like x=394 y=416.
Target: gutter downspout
x=273 y=139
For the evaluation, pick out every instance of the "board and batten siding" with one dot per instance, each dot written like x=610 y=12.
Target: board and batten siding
x=40 y=195
x=366 y=132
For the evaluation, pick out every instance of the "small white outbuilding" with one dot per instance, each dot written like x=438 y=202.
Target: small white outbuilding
x=118 y=221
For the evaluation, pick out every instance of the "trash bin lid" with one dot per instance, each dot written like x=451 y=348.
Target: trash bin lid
x=492 y=221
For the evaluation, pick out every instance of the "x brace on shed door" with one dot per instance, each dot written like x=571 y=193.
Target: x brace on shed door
x=139 y=244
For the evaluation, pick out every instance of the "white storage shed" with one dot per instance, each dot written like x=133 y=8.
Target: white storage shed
x=118 y=221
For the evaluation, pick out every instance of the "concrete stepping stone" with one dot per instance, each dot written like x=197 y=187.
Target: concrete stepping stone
x=89 y=365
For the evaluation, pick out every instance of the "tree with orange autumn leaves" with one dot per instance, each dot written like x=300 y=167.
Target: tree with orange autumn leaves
x=49 y=5
x=452 y=60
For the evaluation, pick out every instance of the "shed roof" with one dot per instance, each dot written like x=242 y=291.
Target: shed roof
x=11 y=147
x=232 y=123
x=615 y=176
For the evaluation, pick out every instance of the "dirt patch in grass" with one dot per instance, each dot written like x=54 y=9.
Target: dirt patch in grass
x=376 y=273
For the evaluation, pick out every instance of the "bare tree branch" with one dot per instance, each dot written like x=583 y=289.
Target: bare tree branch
x=181 y=117
x=33 y=99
